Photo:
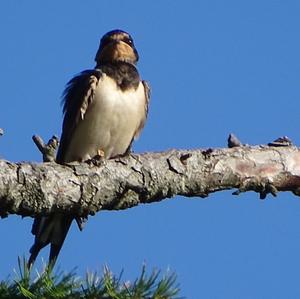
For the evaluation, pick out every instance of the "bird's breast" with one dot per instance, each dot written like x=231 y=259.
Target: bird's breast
x=110 y=122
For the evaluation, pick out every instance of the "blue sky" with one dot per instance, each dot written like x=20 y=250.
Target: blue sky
x=215 y=67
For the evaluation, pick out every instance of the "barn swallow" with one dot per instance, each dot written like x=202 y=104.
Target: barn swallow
x=105 y=109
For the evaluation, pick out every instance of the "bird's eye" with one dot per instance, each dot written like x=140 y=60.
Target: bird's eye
x=129 y=41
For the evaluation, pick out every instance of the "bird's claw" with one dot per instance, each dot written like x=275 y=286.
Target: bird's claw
x=98 y=159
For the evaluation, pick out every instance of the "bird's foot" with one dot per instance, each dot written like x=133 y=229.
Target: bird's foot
x=98 y=159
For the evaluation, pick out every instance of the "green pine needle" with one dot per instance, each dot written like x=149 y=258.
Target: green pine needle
x=47 y=284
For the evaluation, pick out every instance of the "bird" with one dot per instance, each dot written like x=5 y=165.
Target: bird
x=105 y=109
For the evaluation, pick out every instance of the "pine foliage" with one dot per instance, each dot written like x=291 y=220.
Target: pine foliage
x=48 y=284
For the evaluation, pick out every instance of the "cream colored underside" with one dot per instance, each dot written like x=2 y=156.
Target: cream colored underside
x=109 y=123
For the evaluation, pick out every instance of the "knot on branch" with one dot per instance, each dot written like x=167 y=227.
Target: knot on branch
x=261 y=186
x=48 y=150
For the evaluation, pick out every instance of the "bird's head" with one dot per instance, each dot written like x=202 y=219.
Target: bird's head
x=116 y=45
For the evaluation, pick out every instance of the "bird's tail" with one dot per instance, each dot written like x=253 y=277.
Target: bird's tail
x=52 y=230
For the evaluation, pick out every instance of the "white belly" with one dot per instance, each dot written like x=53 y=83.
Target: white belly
x=109 y=123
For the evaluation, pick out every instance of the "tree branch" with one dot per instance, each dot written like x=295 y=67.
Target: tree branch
x=29 y=189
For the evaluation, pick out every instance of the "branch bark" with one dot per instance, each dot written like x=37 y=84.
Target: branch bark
x=29 y=189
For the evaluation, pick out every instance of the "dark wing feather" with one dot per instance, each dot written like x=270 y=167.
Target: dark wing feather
x=54 y=228
x=77 y=96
